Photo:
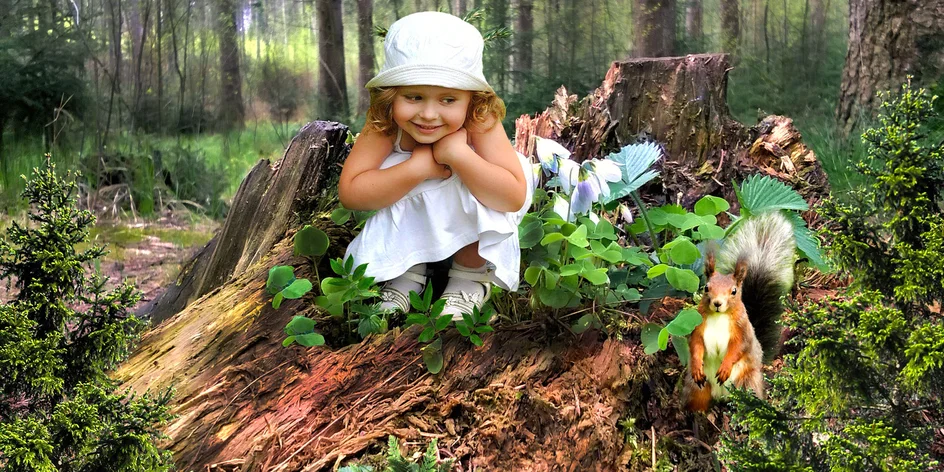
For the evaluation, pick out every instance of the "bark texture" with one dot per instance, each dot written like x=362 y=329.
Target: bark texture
x=694 y=24
x=232 y=114
x=730 y=25
x=332 y=84
x=267 y=203
x=653 y=28
x=888 y=40
x=365 y=51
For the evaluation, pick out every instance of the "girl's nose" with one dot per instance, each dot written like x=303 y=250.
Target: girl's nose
x=428 y=112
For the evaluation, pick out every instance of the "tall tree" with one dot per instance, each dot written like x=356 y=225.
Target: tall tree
x=458 y=8
x=730 y=25
x=888 y=40
x=524 y=36
x=332 y=86
x=232 y=114
x=365 y=49
x=653 y=28
x=694 y=25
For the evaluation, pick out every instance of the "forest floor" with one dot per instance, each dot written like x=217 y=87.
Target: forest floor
x=146 y=252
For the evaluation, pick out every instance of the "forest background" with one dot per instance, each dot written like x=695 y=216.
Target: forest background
x=168 y=103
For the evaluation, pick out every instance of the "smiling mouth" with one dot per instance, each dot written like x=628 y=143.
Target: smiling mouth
x=427 y=128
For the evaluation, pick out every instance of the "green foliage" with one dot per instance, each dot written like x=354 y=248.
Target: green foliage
x=429 y=315
x=283 y=284
x=427 y=463
x=864 y=389
x=891 y=229
x=58 y=339
x=302 y=330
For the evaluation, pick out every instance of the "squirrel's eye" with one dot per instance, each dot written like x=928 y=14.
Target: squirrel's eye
x=707 y=289
x=734 y=291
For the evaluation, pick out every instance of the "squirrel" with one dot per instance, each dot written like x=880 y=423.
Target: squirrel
x=740 y=311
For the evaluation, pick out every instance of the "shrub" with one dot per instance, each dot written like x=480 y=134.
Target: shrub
x=58 y=339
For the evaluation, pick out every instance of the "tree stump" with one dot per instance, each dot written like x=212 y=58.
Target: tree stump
x=534 y=397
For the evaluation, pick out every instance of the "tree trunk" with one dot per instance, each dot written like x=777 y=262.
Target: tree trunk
x=730 y=26
x=496 y=61
x=818 y=34
x=694 y=25
x=888 y=40
x=458 y=8
x=524 y=36
x=332 y=85
x=653 y=28
x=365 y=48
x=231 y=111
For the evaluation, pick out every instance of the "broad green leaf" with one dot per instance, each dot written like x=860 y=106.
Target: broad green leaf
x=277 y=300
x=579 y=237
x=476 y=340
x=298 y=289
x=530 y=231
x=442 y=322
x=551 y=278
x=656 y=270
x=568 y=229
x=553 y=298
x=604 y=230
x=759 y=194
x=427 y=334
x=348 y=264
x=578 y=253
x=359 y=272
x=583 y=323
x=681 y=348
x=437 y=308
x=340 y=216
x=650 y=337
x=369 y=325
x=551 y=238
x=415 y=318
x=484 y=329
x=311 y=241
x=635 y=161
x=337 y=266
x=682 y=279
x=684 y=252
x=279 y=278
x=428 y=295
x=288 y=341
x=706 y=232
x=807 y=243
x=432 y=357
x=596 y=276
x=310 y=339
x=532 y=274
x=684 y=323
x=417 y=302
x=628 y=294
x=332 y=285
x=635 y=256
x=299 y=325
x=685 y=222
x=663 y=339
x=463 y=329
x=571 y=269
x=711 y=205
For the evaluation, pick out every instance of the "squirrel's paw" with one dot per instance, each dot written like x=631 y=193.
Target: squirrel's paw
x=698 y=376
x=723 y=373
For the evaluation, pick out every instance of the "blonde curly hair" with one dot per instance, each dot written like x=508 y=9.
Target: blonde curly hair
x=485 y=110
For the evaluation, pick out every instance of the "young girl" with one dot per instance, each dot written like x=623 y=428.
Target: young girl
x=435 y=162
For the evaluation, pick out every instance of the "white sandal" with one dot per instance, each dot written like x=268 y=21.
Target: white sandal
x=394 y=300
x=459 y=302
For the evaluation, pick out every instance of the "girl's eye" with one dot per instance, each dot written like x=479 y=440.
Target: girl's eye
x=412 y=98
x=448 y=100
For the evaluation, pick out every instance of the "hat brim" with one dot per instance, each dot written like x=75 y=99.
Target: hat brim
x=429 y=74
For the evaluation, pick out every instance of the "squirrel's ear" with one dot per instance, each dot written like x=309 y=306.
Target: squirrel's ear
x=709 y=264
x=740 y=270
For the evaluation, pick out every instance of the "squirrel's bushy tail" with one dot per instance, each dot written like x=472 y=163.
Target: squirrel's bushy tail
x=767 y=243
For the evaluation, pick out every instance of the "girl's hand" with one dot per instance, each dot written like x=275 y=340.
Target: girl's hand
x=450 y=146
x=424 y=163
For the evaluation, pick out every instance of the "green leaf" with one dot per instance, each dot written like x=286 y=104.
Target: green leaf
x=463 y=329
x=596 y=276
x=553 y=298
x=579 y=237
x=684 y=323
x=417 y=302
x=476 y=340
x=311 y=241
x=484 y=329
x=583 y=323
x=432 y=357
x=706 y=232
x=298 y=289
x=442 y=322
x=348 y=264
x=663 y=339
x=299 y=325
x=807 y=243
x=682 y=279
x=279 y=278
x=288 y=341
x=628 y=294
x=427 y=334
x=310 y=339
x=532 y=274
x=650 y=337
x=570 y=269
x=415 y=318
x=437 y=308
x=551 y=238
x=340 y=216
x=684 y=252
x=359 y=272
x=681 y=348
x=635 y=161
x=551 y=278
x=759 y=194
x=656 y=270
x=277 y=300
x=579 y=253
x=370 y=325
x=530 y=231
x=337 y=266
x=685 y=221
x=711 y=205
x=635 y=256
x=332 y=285
x=428 y=295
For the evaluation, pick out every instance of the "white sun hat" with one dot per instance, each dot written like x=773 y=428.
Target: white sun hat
x=432 y=48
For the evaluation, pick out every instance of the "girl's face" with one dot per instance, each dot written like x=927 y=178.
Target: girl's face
x=428 y=113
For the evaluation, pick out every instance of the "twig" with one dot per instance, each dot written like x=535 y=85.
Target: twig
x=653 y=432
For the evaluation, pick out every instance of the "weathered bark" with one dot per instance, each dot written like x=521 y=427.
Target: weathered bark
x=679 y=102
x=730 y=26
x=365 y=51
x=888 y=40
x=232 y=114
x=266 y=205
x=653 y=28
x=524 y=35
x=458 y=8
x=694 y=24
x=332 y=84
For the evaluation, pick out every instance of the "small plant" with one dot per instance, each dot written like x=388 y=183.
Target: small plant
x=283 y=284
x=429 y=315
x=427 y=463
x=301 y=330
x=475 y=323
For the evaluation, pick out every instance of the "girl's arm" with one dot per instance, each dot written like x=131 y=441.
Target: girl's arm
x=365 y=186
x=492 y=171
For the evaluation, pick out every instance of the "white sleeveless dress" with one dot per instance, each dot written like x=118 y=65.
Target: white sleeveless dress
x=433 y=221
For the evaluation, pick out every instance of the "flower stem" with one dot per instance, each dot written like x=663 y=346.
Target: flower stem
x=645 y=216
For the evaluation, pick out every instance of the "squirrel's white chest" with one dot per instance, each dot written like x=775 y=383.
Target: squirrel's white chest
x=717 y=334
